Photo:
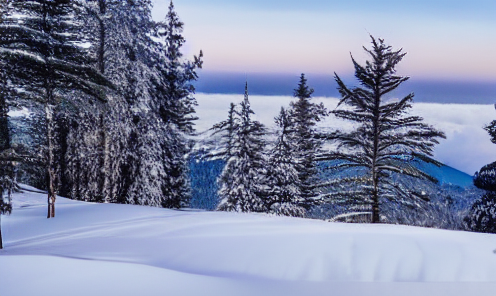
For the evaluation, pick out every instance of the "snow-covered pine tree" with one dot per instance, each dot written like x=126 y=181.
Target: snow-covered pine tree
x=113 y=152
x=5 y=164
x=222 y=148
x=304 y=115
x=120 y=31
x=175 y=89
x=143 y=170
x=41 y=43
x=6 y=152
x=482 y=215
x=173 y=100
x=387 y=141
x=283 y=196
x=6 y=173
x=242 y=180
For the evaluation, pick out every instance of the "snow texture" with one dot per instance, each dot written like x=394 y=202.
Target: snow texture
x=114 y=249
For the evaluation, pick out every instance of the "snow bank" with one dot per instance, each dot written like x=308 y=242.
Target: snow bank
x=165 y=252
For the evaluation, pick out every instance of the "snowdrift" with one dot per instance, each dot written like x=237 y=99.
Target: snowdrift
x=110 y=249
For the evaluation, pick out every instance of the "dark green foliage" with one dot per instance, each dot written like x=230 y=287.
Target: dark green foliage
x=486 y=177
x=482 y=216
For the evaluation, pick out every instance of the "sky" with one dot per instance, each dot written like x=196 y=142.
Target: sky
x=450 y=45
x=446 y=40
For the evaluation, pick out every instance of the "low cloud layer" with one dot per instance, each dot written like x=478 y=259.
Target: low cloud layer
x=467 y=147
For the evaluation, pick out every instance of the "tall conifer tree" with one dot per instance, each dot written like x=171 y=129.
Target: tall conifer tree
x=283 y=196
x=174 y=102
x=387 y=141
x=304 y=115
x=242 y=181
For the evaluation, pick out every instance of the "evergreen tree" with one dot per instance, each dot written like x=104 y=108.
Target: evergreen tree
x=143 y=170
x=482 y=215
x=242 y=180
x=226 y=129
x=6 y=167
x=6 y=176
x=123 y=142
x=387 y=141
x=284 y=195
x=174 y=102
x=175 y=89
x=40 y=42
x=305 y=115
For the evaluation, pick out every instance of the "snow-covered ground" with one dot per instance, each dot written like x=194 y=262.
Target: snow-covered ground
x=110 y=249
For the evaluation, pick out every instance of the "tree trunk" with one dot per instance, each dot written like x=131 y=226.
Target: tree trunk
x=1 y=245
x=375 y=205
x=50 y=164
x=103 y=159
x=375 y=173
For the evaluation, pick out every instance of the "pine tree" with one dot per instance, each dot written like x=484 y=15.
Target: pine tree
x=5 y=140
x=482 y=215
x=242 y=180
x=305 y=115
x=143 y=170
x=125 y=138
x=283 y=196
x=40 y=42
x=223 y=149
x=175 y=88
x=6 y=172
x=174 y=102
x=387 y=141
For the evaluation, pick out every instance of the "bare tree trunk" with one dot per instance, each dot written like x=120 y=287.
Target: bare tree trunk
x=1 y=245
x=103 y=159
x=375 y=176
x=50 y=164
x=375 y=204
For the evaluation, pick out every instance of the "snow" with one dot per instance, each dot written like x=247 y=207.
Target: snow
x=111 y=249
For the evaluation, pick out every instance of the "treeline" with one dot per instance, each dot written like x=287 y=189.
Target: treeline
x=374 y=159
x=110 y=96
x=112 y=112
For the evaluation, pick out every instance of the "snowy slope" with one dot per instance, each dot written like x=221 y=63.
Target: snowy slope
x=109 y=249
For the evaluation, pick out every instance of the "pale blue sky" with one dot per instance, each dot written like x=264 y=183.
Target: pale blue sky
x=445 y=39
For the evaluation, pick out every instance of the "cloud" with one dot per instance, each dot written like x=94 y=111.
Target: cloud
x=467 y=147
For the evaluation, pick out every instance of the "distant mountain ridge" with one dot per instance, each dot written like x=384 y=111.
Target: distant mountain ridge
x=434 y=91
x=448 y=175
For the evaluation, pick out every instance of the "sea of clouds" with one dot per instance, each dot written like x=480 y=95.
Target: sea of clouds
x=467 y=146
